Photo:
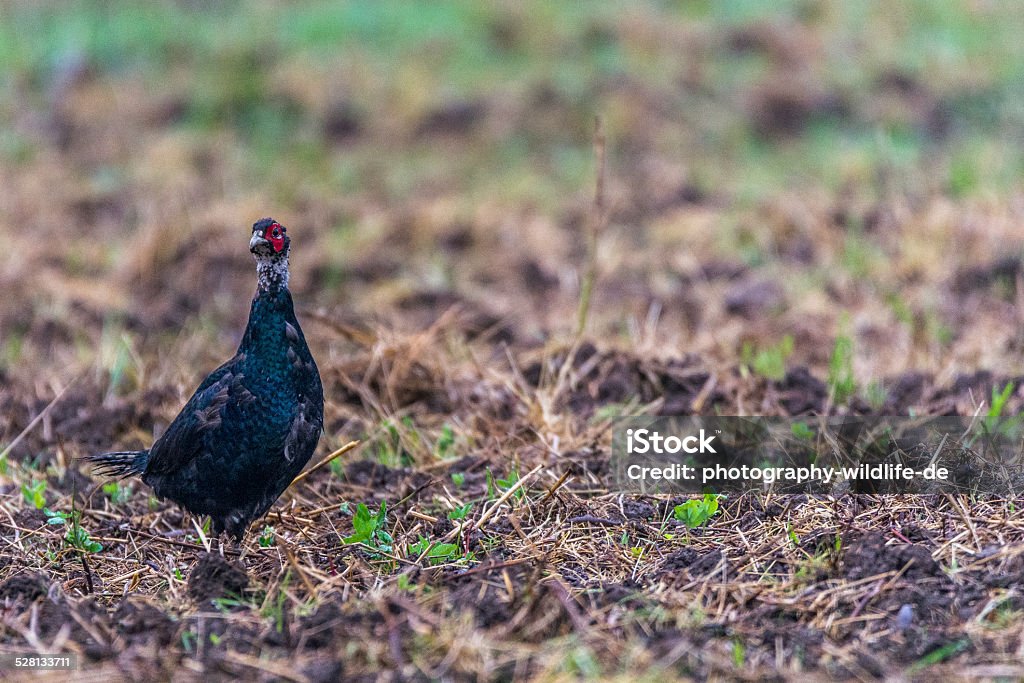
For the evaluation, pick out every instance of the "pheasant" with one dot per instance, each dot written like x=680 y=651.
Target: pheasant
x=252 y=424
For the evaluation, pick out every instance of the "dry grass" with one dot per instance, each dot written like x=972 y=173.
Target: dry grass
x=564 y=577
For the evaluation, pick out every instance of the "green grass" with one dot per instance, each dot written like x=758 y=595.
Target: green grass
x=407 y=57
x=841 y=381
x=770 y=361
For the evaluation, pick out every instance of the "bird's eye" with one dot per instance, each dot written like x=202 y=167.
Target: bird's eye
x=277 y=232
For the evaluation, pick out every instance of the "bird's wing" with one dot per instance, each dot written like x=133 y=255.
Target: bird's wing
x=183 y=440
x=308 y=416
x=304 y=431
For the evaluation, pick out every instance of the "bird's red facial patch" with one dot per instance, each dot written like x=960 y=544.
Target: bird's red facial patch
x=275 y=235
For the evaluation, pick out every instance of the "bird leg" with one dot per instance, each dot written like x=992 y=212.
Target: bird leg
x=220 y=541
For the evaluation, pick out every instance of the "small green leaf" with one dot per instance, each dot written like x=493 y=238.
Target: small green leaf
x=940 y=654
x=438 y=554
x=802 y=431
x=369 y=528
x=460 y=512
x=697 y=511
x=999 y=400
x=116 y=492
x=445 y=441
x=362 y=524
x=33 y=493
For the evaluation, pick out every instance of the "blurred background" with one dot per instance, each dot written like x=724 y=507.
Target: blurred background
x=783 y=179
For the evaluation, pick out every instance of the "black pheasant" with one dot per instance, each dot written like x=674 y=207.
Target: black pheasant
x=253 y=423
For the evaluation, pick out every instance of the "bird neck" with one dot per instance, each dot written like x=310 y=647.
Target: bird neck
x=272 y=273
x=264 y=334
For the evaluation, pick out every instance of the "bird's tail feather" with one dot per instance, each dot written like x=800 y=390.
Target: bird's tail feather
x=119 y=463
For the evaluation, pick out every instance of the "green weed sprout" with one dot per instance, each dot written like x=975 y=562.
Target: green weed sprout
x=697 y=511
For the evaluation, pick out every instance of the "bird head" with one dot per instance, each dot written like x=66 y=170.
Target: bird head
x=269 y=239
x=270 y=245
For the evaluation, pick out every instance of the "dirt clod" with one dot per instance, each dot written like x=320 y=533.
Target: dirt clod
x=27 y=586
x=215 y=577
x=754 y=298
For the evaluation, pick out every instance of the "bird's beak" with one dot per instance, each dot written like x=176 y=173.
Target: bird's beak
x=256 y=241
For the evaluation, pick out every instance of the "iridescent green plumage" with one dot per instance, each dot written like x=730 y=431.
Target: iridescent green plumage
x=253 y=423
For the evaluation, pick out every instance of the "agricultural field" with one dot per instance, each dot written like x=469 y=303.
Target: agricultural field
x=803 y=209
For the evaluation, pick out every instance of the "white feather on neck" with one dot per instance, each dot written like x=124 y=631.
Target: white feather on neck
x=272 y=272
